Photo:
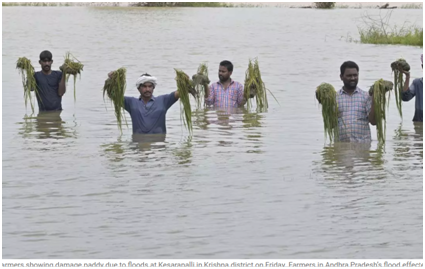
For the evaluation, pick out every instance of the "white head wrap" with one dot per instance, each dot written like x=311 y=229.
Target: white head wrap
x=143 y=79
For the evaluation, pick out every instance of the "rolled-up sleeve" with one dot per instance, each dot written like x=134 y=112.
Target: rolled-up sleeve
x=409 y=94
x=209 y=101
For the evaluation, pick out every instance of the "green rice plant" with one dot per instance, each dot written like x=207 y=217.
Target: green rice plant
x=326 y=95
x=114 y=88
x=184 y=87
x=28 y=80
x=255 y=87
x=200 y=82
x=380 y=89
x=398 y=67
x=71 y=67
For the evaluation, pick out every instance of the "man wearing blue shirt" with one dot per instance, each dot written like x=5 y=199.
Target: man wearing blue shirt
x=148 y=112
x=50 y=84
x=416 y=89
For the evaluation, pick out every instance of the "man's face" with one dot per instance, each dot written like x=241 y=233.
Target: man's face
x=350 y=78
x=223 y=73
x=146 y=90
x=46 y=65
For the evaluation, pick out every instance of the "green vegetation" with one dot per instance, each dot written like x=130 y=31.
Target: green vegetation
x=184 y=87
x=200 y=83
x=254 y=87
x=378 y=31
x=380 y=88
x=398 y=67
x=324 y=5
x=326 y=95
x=180 y=4
x=36 y=4
x=114 y=88
x=412 y=6
x=28 y=80
x=71 y=67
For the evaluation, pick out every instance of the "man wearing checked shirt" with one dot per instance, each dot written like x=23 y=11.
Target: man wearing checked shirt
x=226 y=93
x=355 y=107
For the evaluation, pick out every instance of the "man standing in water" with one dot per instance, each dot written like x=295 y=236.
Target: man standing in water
x=226 y=92
x=355 y=107
x=148 y=112
x=416 y=89
x=50 y=84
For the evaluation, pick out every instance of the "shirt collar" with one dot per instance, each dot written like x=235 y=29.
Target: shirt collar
x=341 y=91
x=152 y=98
x=231 y=82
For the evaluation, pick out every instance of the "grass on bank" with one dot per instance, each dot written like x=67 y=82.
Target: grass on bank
x=378 y=30
x=412 y=36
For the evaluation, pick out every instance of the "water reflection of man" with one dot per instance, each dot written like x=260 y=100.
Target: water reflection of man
x=48 y=124
x=346 y=160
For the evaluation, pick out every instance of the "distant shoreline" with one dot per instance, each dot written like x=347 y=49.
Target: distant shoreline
x=339 y=5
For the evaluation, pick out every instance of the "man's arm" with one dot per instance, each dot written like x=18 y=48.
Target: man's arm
x=241 y=96
x=62 y=86
x=408 y=92
x=176 y=95
x=209 y=95
x=371 y=116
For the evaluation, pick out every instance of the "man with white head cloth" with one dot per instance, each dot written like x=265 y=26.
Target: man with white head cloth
x=148 y=112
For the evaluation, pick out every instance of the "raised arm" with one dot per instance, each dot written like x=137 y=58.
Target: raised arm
x=408 y=92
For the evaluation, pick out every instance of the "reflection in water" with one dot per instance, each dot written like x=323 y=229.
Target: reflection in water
x=351 y=160
x=227 y=119
x=404 y=149
x=45 y=125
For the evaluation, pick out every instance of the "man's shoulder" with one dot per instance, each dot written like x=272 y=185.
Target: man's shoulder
x=418 y=81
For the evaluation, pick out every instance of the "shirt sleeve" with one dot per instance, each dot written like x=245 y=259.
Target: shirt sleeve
x=410 y=93
x=169 y=100
x=210 y=99
x=240 y=95
x=127 y=103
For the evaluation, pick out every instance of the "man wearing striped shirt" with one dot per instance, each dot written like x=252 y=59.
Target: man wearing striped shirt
x=226 y=92
x=355 y=107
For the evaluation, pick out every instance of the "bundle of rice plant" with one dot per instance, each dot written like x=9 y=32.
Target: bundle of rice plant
x=200 y=82
x=28 y=80
x=326 y=95
x=254 y=87
x=71 y=66
x=114 y=88
x=380 y=88
x=398 y=67
x=184 y=87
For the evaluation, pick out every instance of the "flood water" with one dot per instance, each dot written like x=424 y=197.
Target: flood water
x=246 y=184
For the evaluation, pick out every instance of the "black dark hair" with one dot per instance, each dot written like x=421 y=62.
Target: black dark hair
x=46 y=54
x=228 y=65
x=145 y=74
x=348 y=64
